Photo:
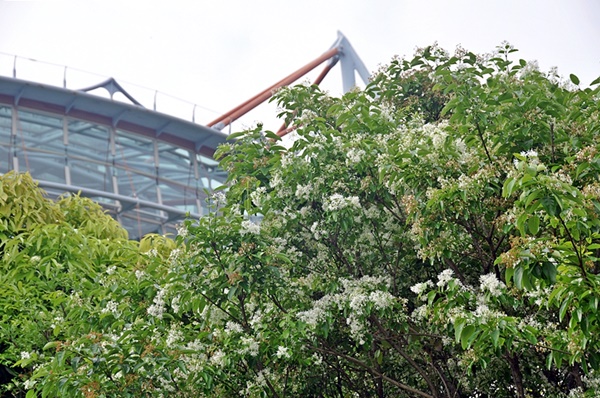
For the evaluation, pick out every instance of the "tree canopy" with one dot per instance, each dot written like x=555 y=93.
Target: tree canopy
x=436 y=234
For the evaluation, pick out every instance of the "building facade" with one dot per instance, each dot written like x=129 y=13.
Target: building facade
x=147 y=169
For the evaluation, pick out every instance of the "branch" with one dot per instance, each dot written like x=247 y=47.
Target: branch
x=581 y=265
x=404 y=355
x=480 y=134
x=373 y=371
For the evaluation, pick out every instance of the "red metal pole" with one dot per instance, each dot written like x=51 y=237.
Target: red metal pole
x=258 y=99
x=283 y=130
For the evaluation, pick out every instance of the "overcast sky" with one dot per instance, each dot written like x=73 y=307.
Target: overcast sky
x=219 y=53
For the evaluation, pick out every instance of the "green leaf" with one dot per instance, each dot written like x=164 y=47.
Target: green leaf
x=563 y=309
x=550 y=204
x=271 y=135
x=508 y=274
x=49 y=345
x=458 y=328
x=495 y=336
x=574 y=79
x=465 y=336
x=507 y=188
x=519 y=277
x=533 y=224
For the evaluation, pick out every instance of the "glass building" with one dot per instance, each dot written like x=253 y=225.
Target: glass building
x=147 y=169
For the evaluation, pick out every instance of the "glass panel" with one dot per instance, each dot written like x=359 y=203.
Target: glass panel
x=40 y=147
x=5 y=139
x=177 y=181
x=135 y=168
x=179 y=196
x=89 y=156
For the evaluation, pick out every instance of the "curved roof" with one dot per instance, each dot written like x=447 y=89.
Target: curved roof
x=135 y=118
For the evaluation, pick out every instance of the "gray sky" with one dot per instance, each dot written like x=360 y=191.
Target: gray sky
x=217 y=54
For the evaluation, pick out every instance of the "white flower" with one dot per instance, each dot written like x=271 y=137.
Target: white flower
x=484 y=313
x=111 y=270
x=381 y=299
x=175 y=303
x=25 y=355
x=282 y=352
x=182 y=230
x=530 y=154
x=444 y=277
x=303 y=191
x=250 y=346
x=219 y=198
x=312 y=317
x=175 y=335
x=158 y=307
x=233 y=327
x=420 y=313
x=111 y=307
x=139 y=274
x=338 y=202
x=249 y=227
x=491 y=283
x=354 y=156
x=218 y=358
x=421 y=288
x=256 y=196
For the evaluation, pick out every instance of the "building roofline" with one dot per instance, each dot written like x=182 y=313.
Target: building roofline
x=197 y=138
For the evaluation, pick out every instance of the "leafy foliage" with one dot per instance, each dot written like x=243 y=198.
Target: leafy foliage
x=436 y=234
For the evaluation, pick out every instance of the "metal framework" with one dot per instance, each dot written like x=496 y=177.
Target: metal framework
x=341 y=51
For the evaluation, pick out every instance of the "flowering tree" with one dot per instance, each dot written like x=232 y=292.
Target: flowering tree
x=433 y=235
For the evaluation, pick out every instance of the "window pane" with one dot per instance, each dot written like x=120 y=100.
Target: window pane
x=40 y=147
x=5 y=139
x=89 y=156
x=135 y=168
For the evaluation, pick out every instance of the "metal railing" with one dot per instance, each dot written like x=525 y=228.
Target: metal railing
x=30 y=69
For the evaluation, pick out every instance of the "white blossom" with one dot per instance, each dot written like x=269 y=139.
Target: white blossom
x=444 y=277
x=490 y=283
x=422 y=287
x=338 y=202
x=218 y=358
x=233 y=327
x=420 y=313
x=111 y=307
x=175 y=303
x=249 y=227
x=283 y=352
x=381 y=299
x=303 y=191
x=257 y=196
x=250 y=346
x=174 y=336
x=158 y=306
x=182 y=230
x=354 y=156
